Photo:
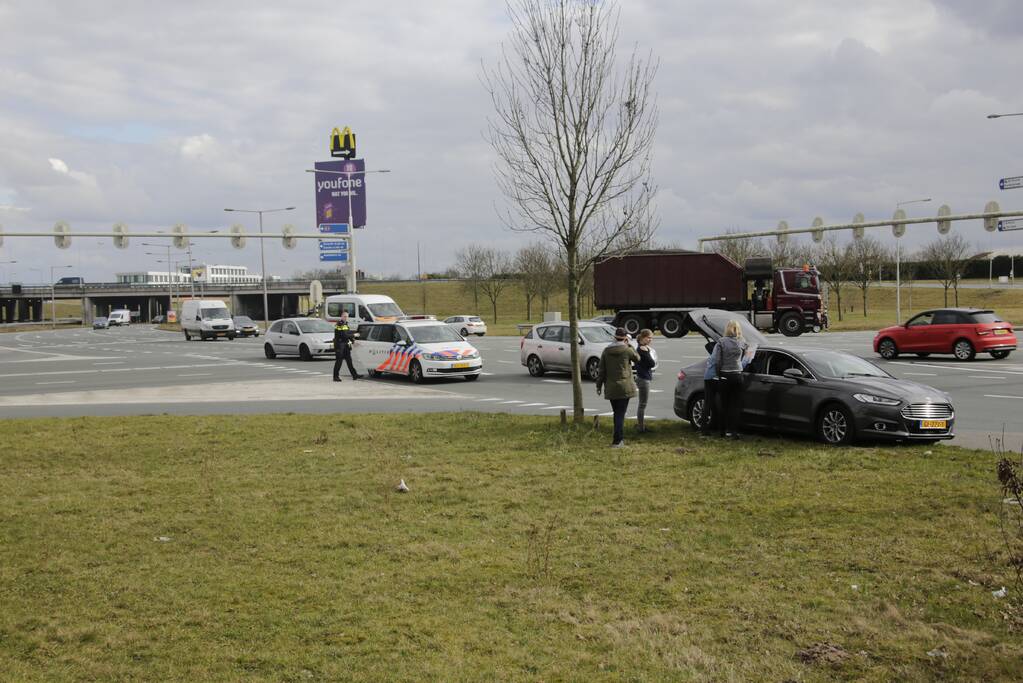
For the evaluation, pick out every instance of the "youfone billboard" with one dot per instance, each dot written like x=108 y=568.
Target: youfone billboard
x=345 y=183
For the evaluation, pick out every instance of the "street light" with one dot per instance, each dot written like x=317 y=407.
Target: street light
x=170 y=276
x=262 y=257
x=998 y=116
x=53 y=296
x=898 y=263
x=353 y=285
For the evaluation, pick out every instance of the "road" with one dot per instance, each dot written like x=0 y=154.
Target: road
x=142 y=370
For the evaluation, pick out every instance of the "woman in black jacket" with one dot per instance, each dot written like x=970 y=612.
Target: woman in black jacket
x=644 y=375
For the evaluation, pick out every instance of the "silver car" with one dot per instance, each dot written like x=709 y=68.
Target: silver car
x=306 y=338
x=467 y=324
x=546 y=347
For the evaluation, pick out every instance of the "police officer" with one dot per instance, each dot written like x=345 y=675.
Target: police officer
x=343 y=340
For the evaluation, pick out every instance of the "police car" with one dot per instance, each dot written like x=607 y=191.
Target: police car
x=419 y=349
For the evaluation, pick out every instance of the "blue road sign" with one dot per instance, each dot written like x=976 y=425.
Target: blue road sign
x=1013 y=224
x=334 y=256
x=334 y=228
x=1013 y=183
x=333 y=245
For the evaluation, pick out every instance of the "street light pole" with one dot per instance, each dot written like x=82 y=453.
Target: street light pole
x=998 y=116
x=898 y=263
x=262 y=256
x=53 y=297
x=170 y=276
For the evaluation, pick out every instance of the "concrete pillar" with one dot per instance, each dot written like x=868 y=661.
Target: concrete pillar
x=87 y=310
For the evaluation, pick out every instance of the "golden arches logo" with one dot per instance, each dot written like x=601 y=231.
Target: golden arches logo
x=342 y=143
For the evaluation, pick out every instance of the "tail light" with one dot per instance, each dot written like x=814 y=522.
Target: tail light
x=984 y=332
x=681 y=375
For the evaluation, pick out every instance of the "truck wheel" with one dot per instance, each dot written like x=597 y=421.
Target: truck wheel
x=791 y=324
x=633 y=324
x=672 y=327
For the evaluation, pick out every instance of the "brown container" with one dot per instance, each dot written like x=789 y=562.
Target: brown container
x=668 y=279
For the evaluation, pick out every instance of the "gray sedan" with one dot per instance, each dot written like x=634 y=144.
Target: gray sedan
x=835 y=396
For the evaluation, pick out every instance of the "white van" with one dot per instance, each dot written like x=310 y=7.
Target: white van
x=206 y=319
x=362 y=308
x=121 y=316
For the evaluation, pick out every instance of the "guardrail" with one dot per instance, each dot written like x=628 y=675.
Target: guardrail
x=180 y=289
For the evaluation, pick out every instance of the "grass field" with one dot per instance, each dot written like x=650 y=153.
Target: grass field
x=276 y=548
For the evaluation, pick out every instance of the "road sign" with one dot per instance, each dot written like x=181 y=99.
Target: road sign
x=1011 y=224
x=334 y=228
x=334 y=256
x=333 y=245
x=1013 y=183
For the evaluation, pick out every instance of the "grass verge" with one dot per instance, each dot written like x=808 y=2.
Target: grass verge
x=276 y=548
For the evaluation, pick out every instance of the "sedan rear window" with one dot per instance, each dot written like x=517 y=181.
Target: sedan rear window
x=597 y=334
x=475 y=319
x=981 y=317
x=308 y=326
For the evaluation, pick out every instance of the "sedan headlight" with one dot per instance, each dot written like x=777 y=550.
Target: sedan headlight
x=474 y=355
x=877 y=400
x=434 y=356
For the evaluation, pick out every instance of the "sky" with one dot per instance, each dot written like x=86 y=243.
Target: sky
x=154 y=114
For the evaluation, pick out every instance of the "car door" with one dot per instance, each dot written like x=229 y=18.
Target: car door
x=914 y=337
x=288 y=338
x=944 y=330
x=556 y=353
x=776 y=401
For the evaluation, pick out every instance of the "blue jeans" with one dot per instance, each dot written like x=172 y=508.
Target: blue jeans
x=619 y=406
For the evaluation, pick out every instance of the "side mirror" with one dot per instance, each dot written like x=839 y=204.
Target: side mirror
x=198 y=317
x=794 y=373
x=401 y=342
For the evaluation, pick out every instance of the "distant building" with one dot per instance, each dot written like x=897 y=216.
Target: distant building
x=222 y=275
x=152 y=278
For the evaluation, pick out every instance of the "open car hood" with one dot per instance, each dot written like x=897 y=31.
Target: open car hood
x=710 y=322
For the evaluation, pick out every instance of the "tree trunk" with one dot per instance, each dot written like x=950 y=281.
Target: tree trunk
x=578 y=413
x=864 y=302
x=529 y=309
x=838 y=297
x=494 y=302
x=946 y=295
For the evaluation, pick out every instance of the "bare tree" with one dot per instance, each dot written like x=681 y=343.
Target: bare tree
x=573 y=138
x=946 y=257
x=470 y=265
x=866 y=255
x=741 y=248
x=496 y=275
x=835 y=267
x=533 y=264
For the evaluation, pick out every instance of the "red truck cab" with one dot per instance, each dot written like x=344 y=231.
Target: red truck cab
x=796 y=301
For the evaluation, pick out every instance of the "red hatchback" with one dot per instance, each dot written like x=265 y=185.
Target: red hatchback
x=963 y=332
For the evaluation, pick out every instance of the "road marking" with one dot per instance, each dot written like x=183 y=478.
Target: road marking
x=111 y=362
x=531 y=405
x=68 y=381
x=484 y=400
x=507 y=402
x=657 y=391
x=1000 y=396
x=558 y=407
x=556 y=381
x=487 y=374
x=195 y=374
x=510 y=362
x=985 y=377
x=953 y=367
x=921 y=374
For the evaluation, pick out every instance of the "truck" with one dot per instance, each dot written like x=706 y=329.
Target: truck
x=657 y=289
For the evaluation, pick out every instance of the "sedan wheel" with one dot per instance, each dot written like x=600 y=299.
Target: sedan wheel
x=303 y=353
x=697 y=411
x=535 y=366
x=415 y=372
x=963 y=350
x=887 y=349
x=593 y=368
x=1000 y=354
x=835 y=425
x=269 y=352
x=464 y=332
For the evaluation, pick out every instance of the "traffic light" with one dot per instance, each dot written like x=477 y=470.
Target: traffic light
x=237 y=236
x=62 y=235
x=121 y=235
x=289 y=241
x=180 y=233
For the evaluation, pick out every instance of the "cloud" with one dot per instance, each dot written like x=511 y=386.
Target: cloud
x=59 y=166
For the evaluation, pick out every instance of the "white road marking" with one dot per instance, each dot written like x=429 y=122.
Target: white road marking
x=985 y=377
x=657 y=391
x=1000 y=396
x=484 y=400
x=68 y=381
x=195 y=374
x=531 y=405
x=921 y=374
x=558 y=407
x=953 y=367
x=512 y=401
x=556 y=381
x=510 y=362
x=111 y=362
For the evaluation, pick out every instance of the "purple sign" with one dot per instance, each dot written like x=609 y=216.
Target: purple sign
x=342 y=192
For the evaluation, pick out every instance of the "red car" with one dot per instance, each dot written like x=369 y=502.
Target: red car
x=963 y=332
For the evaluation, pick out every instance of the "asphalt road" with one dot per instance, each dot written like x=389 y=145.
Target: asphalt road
x=141 y=370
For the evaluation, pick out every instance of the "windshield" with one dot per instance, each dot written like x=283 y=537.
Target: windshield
x=308 y=326
x=101 y=320
x=598 y=334
x=215 y=314
x=431 y=334
x=838 y=365
x=712 y=321
x=243 y=320
x=386 y=310
x=985 y=317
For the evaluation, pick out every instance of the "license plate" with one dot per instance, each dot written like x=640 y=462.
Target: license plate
x=1001 y=331
x=934 y=424
x=459 y=365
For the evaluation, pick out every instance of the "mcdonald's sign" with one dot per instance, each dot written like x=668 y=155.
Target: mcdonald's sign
x=342 y=143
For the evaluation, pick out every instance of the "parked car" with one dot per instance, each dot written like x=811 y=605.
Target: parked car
x=546 y=347
x=418 y=349
x=159 y=319
x=100 y=323
x=833 y=395
x=963 y=332
x=244 y=326
x=302 y=337
x=467 y=324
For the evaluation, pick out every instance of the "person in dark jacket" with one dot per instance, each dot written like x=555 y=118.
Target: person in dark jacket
x=344 y=338
x=644 y=375
x=615 y=379
x=729 y=356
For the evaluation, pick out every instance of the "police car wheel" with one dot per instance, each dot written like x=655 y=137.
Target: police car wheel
x=415 y=372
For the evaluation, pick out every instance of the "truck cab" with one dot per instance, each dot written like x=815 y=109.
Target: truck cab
x=797 y=301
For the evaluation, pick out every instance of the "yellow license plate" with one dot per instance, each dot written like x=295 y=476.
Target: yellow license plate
x=934 y=424
x=459 y=365
x=1001 y=331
